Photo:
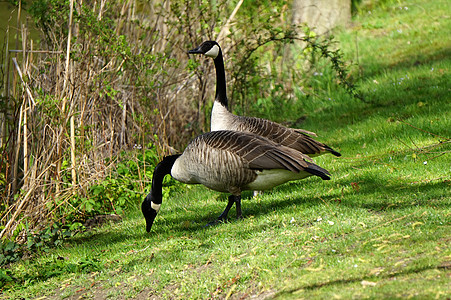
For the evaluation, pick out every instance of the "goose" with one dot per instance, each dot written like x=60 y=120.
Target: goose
x=222 y=119
x=230 y=162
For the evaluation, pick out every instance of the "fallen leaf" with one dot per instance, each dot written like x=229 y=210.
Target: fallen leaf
x=368 y=283
x=417 y=224
x=230 y=291
x=320 y=267
x=355 y=186
x=402 y=261
x=314 y=269
x=376 y=271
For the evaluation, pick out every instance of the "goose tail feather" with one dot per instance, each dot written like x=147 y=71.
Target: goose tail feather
x=338 y=154
x=318 y=171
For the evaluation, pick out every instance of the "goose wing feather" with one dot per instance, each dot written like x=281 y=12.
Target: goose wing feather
x=257 y=151
x=229 y=161
x=293 y=138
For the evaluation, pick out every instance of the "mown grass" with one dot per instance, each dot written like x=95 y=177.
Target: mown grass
x=379 y=229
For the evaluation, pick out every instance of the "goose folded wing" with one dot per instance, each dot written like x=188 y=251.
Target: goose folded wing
x=262 y=153
x=293 y=138
x=259 y=152
x=281 y=158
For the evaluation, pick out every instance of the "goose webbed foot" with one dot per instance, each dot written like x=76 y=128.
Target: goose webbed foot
x=223 y=216
x=216 y=222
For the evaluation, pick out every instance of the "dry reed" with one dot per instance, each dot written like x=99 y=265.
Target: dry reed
x=78 y=99
x=88 y=92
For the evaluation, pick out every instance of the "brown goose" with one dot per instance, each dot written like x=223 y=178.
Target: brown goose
x=230 y=162
x=222 y=119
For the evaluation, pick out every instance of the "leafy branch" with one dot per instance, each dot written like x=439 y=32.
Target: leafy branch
x=317 y=45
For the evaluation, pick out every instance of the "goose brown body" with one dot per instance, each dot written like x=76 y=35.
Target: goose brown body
x=230 y=161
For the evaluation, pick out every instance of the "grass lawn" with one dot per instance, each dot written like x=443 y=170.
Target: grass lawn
x=380 y=228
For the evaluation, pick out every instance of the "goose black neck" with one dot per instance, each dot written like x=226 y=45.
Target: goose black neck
x=161 y=170
x=221 y=94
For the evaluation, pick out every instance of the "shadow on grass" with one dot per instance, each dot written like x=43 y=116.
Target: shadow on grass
x=395 y=98
x=374 y=187
x=379 y=67
x=380 y=194
x=394 y=197
x=375 y=194
x=337 y=282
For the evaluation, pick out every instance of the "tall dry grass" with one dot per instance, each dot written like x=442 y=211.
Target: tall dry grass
x=104 y=77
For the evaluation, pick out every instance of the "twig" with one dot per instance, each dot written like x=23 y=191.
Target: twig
x=443 y=153
x=24 y=83
x=137 y=251
x=377 y=226
x=69 y=37
x=446 y=138
x=229 y=20
x=386 y=223
x=36 y=51
x=429 y=180
x=17 y=211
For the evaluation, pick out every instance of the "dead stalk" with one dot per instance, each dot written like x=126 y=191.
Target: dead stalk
x=5 y=120
x=227 y=25
x=58 y=93
x=25 y=85
x=17 y=211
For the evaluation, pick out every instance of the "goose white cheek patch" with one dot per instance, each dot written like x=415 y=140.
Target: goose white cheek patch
x=213 y=52
x=155 y=206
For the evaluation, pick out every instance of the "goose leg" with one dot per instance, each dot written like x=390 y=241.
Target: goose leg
x=239 y=214
x=223 y=215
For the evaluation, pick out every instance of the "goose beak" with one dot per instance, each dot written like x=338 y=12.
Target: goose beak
x=196 y=51
x=149 y=212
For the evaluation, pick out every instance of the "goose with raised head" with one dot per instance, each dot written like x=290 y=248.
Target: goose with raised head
x=230 y=162
x=223 y=119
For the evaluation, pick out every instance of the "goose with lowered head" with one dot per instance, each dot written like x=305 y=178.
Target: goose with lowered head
x=230 y=162
x=222 y=119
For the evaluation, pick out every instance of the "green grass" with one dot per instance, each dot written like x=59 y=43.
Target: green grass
x=379 y=229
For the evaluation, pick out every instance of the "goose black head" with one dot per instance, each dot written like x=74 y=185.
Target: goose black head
x=152 y=203
x=150 y=210
x=208 y=48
